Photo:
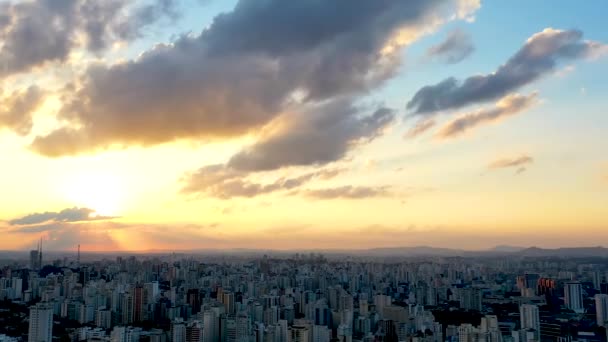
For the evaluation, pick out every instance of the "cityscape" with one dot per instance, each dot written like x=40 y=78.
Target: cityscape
x=310 y=297
x=303 y=171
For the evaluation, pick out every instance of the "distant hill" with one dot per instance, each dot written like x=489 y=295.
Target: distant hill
x=565 y=252
x=413 y=251
x=507 y=248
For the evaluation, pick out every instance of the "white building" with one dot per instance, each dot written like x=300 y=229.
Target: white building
x=41 y=323
x=601 y=309
x=573 y=296
x=178 y=331
x=530 y=319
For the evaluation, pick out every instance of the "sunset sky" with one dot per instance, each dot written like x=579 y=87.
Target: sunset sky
x=193 y=124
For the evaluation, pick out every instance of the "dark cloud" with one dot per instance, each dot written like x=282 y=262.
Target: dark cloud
x=538 y=57
x=420 y=128
x=321 y=135
x=250 y=66
x=33 y=33
x=145 y=15
x=66 y=215
x=67 y=235
x=223 y=182
x=455 y=48
x=517 y=162
x=507 y=106
x=349 y=192
x=16 y=109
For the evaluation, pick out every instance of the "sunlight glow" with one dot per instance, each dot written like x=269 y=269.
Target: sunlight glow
x=102 y=192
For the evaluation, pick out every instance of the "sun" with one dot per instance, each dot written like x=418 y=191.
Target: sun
x=102 y=192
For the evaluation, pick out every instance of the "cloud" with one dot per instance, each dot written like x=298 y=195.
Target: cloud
x=519 y=163
x=105 y=235
x=248 y=68
x=349 y=192
x=420 y=128
x=223 y=182
x=507 y=106
x=40 y=228
x=66 y=215
x=16 y=109
x=317 y=136
x=33 y=33
x=538 y=57
x=455 y=48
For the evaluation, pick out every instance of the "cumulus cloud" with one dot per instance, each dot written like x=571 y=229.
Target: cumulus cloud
x=224 y=182
x=66 y=215
x=250 y=66
x=318 y=136
x=17 y=107
x=519 y=163
x=35 y=32
x=457 y=46
x=538 y=57
x=349 y=192
x=507 y=106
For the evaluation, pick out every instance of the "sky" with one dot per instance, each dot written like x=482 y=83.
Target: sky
x=268 y=124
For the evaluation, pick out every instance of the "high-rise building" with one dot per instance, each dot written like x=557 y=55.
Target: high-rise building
x=41 y=323
x=127 y=308
x=211 y=324
x=139 y=304
x=546 y=286
x=228 y=301
x=322 y=314
x=470 y=298
x=300 y=334
x=243 y=328
x=596 y=278
x=194 y=332
x=604 y=288
x=321 y=333
x=573 y=296
x=152 y=291
x=36 y=257
x=227 y=328
x=601 y=309
x=530 y=319
x=490 y=329
x=103 y=318
x=125 y=334
x=193 y=299
x=178 y=331
x=466 y=333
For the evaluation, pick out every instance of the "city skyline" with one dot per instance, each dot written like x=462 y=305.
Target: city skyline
x=316 y=125
x=310 y=297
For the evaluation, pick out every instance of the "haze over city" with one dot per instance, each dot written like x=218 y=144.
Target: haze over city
x=311 y=125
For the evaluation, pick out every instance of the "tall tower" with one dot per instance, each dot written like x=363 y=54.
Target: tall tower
x=41 y=323
x=78 y=259
x=601 y=309
x=36 y=257
x=573 y=296
x=40 y=255
x=530 y=319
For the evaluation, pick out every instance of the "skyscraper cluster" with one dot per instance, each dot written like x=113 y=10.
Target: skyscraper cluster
x=311 y=298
